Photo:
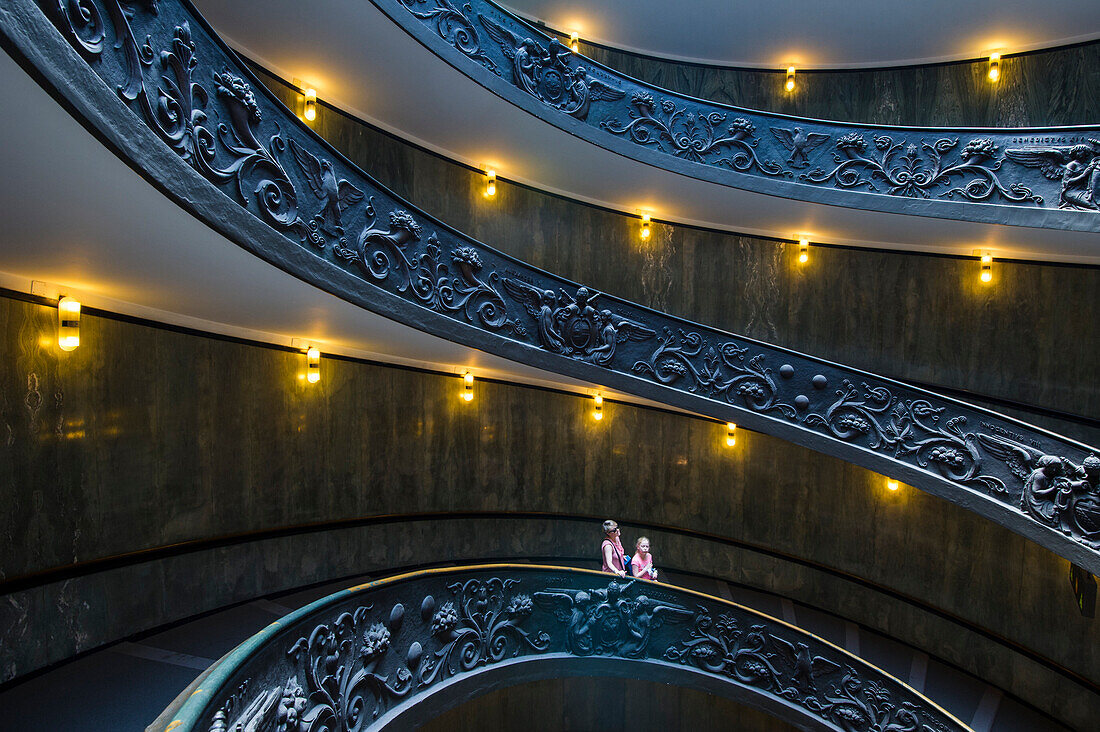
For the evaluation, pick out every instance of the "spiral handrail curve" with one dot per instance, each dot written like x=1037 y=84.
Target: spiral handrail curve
x=373 y=655
x=166 y=94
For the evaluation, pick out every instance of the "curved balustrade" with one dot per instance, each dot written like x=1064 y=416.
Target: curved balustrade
x=162 y=90
x=396 y=650
x=1047 y=177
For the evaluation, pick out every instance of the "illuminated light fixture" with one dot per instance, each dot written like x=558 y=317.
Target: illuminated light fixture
x=803 y=250
x=68 y=323
x=645 y=227
x=313 y=365
x=310 y=112
x=789 y=86
x=597 y=407
x=891 y=484
x=986 y=274
x=575 y=42
x=467 y=387
x=490 y=183
x=731 y=434
x=994 y=66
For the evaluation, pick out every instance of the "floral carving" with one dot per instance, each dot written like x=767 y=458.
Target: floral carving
x=719 y=371
x=453 y=26
x=917 y=171
x=480 y=626
x=692 y=135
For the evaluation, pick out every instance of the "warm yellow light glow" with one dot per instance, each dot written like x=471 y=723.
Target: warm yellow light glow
x=313 y=365
x=731 y=434
x=987 y=267
x=490 y=183
x=68 y=323
x=803 y=250
x=994 y=66
x=891 y=484
x=467 y=387
x=645 y=227
x=311 y=105
x=597 y=407
x=790 y=79
x=575 y=41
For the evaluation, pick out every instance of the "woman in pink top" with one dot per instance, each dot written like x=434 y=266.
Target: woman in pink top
x=612 y=549
x=642 y=563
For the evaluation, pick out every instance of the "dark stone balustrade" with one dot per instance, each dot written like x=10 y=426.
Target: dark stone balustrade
x=394 y=651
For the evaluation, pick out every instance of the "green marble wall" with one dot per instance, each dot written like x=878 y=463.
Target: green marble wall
x=144 y=437
x=600 y=704
x=1024 y=337
x=1057 y=87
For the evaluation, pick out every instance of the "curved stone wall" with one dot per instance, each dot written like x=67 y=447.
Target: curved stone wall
x=849 y=305
x=145 y=437
x=1036 y=89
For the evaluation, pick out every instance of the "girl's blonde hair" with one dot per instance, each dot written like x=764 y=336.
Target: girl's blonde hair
x=640 y=540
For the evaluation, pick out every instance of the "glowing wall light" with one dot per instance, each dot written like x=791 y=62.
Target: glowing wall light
x=313 y=365
x=986 y=272
x=994 y=67
x=597 y=407
x=575 y=42
x=310 y=112
x=891 y=484
x=467 y=387
x=803 y=250
x=68 y=323
x=731 y=434
x=645 y=227
x=490 y=183
x=789 y=86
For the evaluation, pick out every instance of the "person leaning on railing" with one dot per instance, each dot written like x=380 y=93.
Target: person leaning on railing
x=612 y=549
x=641 y=564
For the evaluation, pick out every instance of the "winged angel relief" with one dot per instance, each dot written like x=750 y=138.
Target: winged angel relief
x=546 y=75
x=1078 y=167
x=571 y=326
x=335 y=194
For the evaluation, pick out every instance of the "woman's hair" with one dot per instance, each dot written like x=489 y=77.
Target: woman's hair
x=609 y=526
x=640 y=540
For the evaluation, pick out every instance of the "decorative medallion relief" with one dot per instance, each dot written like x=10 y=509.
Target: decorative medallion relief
x=1032 y=168
x=365 y=654
x=186 y=88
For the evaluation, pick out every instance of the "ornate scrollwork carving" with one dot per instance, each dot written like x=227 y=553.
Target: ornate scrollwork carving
x=546 y=74
x=720 y=371
x=348 y=669
x=693 y=135
x=909 y=169
x=453 y=26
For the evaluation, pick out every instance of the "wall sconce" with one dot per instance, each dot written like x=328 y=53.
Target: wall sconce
x=789 y=86
x=645 y=227
x=467 y=387
x=68 y=323
x=597 y=407
x=803 y=250
x=313 y=365
x=986 y=274
x=731 y=434
x=575 y=42
x=490 y=183
x=994 y=67
x=310 y=112
x=891 y=484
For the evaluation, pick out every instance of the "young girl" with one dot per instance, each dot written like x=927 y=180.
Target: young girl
x=642 y=563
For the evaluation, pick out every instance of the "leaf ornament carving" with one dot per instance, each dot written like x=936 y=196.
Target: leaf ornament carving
x=721 y=371
x=693 y=135
x=453 y=26
x=912 y=170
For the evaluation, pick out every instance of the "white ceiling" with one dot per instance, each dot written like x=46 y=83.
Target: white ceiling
x=821 y=33
x=360 y=61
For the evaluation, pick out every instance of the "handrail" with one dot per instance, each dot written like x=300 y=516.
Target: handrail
x=168 y=96
x=1037 y=177
x=366 y=657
